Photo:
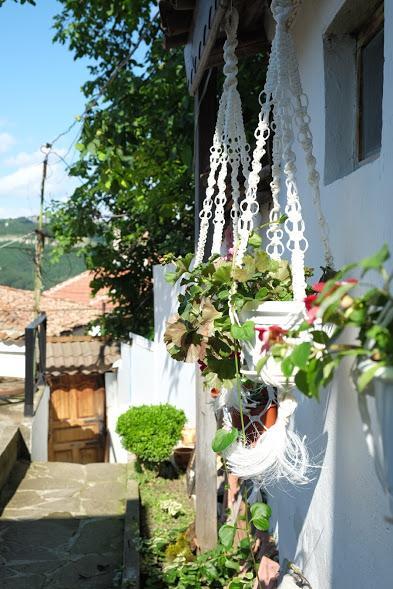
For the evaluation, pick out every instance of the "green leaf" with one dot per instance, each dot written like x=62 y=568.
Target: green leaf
x=171 y=277
x=223 y=274
x=320 y=337
x=300 y=354
x=328 y=371
x=225 y=368
x=261 y=363
x=244 y=544
x=223 y=439
x=255 y=240
x=226 y=535
x=262 y=294
x=301 y=382
x=263 y=262
x=260 y=516
x=377 y=260
x=287 y=366
x=232 y=564
x=367 y=375
x=245 y=332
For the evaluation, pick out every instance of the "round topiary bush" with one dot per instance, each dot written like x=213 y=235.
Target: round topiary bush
x=151 y=431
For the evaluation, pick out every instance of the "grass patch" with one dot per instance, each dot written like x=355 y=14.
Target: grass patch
x=166 y=514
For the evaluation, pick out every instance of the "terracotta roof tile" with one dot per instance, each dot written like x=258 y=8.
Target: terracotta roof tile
x=75 y=354
x=16 y=312
x=78 y=289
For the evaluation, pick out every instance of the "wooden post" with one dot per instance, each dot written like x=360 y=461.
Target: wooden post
x=205 y=460
x=205 y=471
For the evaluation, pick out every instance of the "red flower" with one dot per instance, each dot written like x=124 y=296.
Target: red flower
x=309 y=301
x=202 y=365
x=311 y=308
x=318 y=286
x=270 y=335
x=214 y=392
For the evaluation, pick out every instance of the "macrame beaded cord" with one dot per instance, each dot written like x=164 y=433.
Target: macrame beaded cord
x=230 y=151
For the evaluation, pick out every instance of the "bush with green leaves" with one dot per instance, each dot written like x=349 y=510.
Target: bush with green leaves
x=151 y=431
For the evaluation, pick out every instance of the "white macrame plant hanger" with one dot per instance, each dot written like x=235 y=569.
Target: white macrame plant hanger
x=279 y=454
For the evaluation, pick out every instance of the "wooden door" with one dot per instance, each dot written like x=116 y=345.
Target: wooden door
x=77 y=419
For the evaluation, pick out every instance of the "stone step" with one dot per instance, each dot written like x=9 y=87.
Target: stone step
x=64 y=527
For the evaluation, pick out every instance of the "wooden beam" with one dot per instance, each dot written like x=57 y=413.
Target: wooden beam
x=174 y=22
x=183 y=4
x=249 y=44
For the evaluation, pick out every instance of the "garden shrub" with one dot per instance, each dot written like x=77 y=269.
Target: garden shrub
x=151 y=431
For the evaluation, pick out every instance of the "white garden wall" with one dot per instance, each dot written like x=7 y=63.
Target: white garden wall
x=335 y=530
x=146 y=374
x=12 y=360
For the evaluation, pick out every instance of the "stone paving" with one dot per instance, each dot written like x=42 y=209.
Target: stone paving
x=63 y=528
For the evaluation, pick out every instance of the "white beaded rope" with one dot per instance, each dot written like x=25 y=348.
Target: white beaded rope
x=283 y=95
x=230 y=151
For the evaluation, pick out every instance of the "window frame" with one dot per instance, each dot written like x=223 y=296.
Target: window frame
x=363 y=36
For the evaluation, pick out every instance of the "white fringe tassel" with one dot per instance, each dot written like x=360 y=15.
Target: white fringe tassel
x=279 y=454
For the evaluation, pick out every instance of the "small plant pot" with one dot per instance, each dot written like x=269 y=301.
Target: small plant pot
x=256 y=421
x=284 y=314
x=182 y=457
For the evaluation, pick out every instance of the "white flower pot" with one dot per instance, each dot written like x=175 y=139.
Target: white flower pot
x=284 y=314
x=383 y=392
x=380 y=439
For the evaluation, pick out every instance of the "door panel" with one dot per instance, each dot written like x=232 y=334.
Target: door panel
x=77 y=419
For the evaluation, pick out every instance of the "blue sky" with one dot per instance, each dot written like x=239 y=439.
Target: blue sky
x=40 y=96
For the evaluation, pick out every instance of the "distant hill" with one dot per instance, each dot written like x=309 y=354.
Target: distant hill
x=19 y=226
x=16 y=259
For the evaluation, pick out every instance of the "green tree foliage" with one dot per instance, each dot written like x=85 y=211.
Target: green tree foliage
x=135 y=200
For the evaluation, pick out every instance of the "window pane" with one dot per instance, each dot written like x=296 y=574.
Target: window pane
x=371 y=95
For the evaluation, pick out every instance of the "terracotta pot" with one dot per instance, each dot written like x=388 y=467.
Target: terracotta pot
x=258 y=428
x=182 y=457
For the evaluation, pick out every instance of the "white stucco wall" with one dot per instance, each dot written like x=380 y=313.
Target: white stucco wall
x=12 y=360
x=39 y=428
x=115 y=406
x=335 y=530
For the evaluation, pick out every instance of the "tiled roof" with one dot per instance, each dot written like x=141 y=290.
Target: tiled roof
x=16 y=312
x=77 y=289
x=74 y=354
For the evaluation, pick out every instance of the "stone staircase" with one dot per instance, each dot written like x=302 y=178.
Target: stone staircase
x=69 y=526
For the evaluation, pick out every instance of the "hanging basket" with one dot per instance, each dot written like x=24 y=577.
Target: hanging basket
x=278 y=453
x=283 y=314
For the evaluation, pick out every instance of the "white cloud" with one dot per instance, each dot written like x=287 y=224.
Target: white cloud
x=6 y=142
x=23 y=159
x=20 y=188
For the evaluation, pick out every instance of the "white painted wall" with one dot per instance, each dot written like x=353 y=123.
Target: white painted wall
x=12 y=360
x=335 y=530
x=39 y=428
x=175 y=381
